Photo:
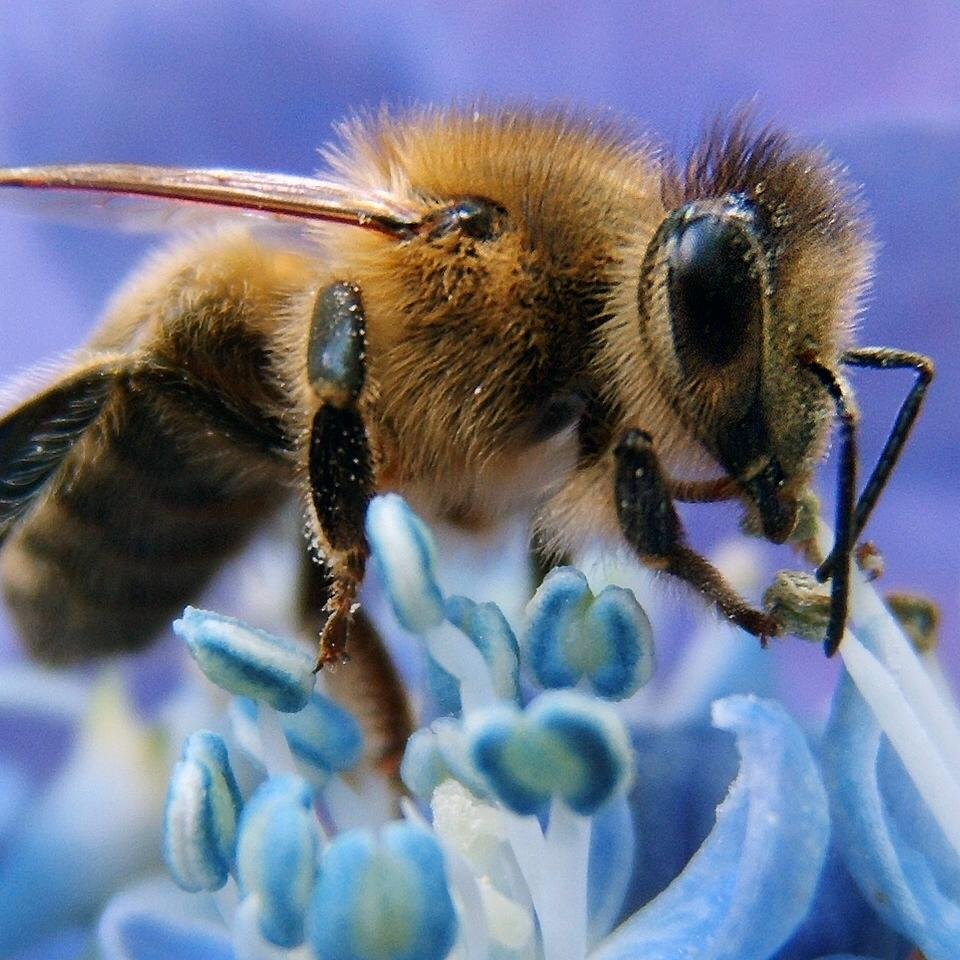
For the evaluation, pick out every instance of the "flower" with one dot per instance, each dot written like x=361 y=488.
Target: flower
x=551 y=818
x=551 y=823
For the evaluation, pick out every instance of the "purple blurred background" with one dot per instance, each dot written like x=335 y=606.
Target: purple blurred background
x=258 y=85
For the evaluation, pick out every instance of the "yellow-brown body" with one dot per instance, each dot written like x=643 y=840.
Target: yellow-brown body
x=468 y=342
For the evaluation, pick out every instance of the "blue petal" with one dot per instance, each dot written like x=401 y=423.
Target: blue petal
x=566 y=744
x=383 y=901
x=95 y=826
x=840 y=921
x=200 y=819
x=147 y=937
x=890 y=842
x=752 y=881
x=405 y=557
x=14 y=796
x=612 y=845
x=324 y=735
x=40 y=714
x=248 y=662
x=487 y=627
x=276 y=856
x=570 y=634
x=690 y=767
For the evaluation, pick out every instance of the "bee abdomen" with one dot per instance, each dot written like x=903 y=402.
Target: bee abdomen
x=145 y=509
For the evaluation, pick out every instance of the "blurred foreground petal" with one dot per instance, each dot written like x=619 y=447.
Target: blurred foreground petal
x=155 y=920
x=99 y=820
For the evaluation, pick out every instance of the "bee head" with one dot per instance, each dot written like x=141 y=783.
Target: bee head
x=756 y=267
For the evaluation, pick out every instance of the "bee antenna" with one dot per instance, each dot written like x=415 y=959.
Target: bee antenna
x=846 y=499
x=886 y=358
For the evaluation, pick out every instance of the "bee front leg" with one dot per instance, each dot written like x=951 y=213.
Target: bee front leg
x=339 y=460
x=649 y=522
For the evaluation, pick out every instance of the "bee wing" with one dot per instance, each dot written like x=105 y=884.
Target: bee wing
x=37 y=435
x=161 y=199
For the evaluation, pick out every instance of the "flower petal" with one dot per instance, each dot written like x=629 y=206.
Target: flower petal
x=98 y=820
x=889 y=839
x=15 y=794
x=612 y=845
x=40 y=714
x=154 y=919
x=761 y=860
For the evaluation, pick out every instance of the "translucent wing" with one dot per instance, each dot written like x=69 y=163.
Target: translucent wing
x=36 y=436
x=161 y=199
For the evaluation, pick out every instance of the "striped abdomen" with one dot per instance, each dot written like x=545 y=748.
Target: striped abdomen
x=146 y=507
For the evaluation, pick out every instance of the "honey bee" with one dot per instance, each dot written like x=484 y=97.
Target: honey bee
x=499 y=312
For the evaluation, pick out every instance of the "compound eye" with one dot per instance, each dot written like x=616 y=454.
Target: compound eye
x=715 y=289
x=472 y=217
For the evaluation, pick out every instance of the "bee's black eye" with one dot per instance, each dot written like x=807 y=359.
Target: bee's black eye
x=472 y=217
x=715 y=289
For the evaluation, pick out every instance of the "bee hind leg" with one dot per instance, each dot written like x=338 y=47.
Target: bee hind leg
x=649 y=522
x=339 y=460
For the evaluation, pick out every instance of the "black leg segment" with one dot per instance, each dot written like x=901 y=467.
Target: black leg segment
x=651 y=526
x=339 y=460
x=335 y=352
x=341 y=476
x=846 y=497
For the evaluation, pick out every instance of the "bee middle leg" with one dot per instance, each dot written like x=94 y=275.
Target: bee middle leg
x=649 y=522
x=339 y=460
x=372 y=689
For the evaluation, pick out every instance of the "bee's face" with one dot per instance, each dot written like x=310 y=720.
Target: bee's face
x=754 y=272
